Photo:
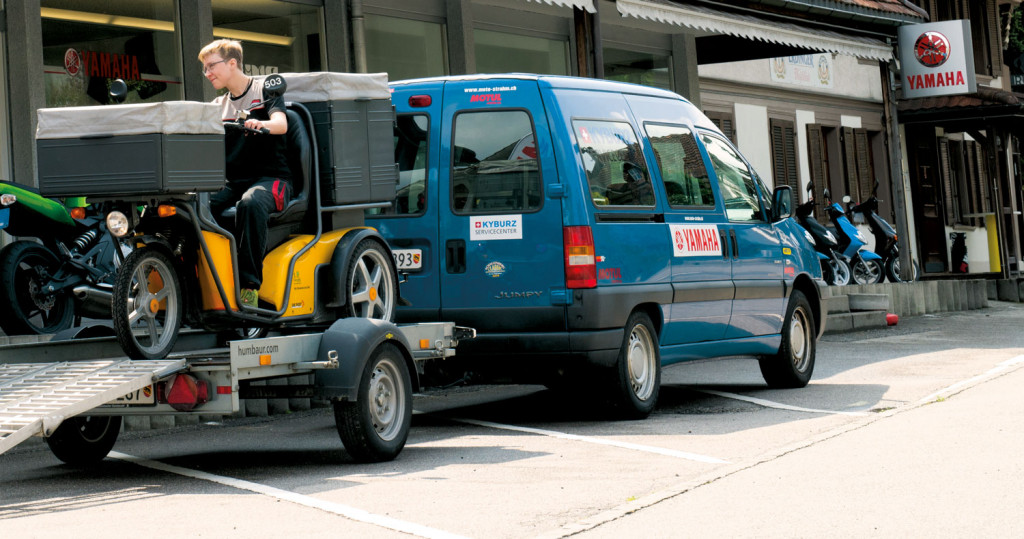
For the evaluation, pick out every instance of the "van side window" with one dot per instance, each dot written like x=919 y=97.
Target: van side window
x=616 y=170
x=742 y=203
x=494 y=163
x=411 y=155
x=682 y=167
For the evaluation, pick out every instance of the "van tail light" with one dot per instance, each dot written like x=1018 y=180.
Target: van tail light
x=419 y=101
x=580 y=265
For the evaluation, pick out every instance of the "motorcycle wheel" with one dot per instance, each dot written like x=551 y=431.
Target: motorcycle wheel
x=840 y=272
x=30 y=311
x=867 y=271
x=147 y=306
x=371 y=283
x=892 y=271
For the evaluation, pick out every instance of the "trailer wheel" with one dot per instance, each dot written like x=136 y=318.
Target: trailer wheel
x=793 y=365
x=637 y=372
x=84 y=440
x=147 y=307
x=371 y=283
x=374 y=427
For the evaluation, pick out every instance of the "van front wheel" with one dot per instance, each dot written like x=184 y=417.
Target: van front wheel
x=792 y=366
x=638 y=369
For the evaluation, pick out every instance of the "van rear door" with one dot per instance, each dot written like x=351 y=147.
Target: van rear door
x=501 y=216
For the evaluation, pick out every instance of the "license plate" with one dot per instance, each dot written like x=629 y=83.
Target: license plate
x=408 y=259
x=137 y=397
x=5 y=217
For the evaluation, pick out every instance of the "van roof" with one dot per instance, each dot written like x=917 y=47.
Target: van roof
x=552 y=81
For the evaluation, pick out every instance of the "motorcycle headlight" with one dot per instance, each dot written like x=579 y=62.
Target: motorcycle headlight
x=117 y=224
x=7 y=199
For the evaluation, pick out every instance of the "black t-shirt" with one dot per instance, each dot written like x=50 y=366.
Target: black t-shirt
x=253 y=156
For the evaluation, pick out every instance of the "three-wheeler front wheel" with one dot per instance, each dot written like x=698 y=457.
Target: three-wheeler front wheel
x=375 y=426
x=147 y=305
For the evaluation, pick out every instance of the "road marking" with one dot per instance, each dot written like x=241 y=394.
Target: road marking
x=779 y=405
x=950 y=389
x=598 y=441
x=330 y=507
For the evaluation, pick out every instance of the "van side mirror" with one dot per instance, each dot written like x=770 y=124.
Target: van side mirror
x=782 y=203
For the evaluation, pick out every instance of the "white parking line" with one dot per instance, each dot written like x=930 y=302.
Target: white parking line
x=949 y=390
x=599 y=441
x=772 y=404
x=336 y=508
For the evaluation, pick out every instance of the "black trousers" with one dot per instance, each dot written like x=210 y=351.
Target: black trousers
x=254 y=202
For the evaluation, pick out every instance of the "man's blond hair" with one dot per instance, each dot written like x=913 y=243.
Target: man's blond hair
x=226 y=48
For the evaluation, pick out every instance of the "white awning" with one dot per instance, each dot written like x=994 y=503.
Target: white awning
x=581 y=4
x=756 y=28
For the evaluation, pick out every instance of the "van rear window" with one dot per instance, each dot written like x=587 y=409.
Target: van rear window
x=616 y=170
x=682 y=167
x=494 y=163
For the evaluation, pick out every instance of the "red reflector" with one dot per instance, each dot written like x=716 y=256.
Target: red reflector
x=184 y=392
x=580 y=265
x=223 y=390
x=419 y=101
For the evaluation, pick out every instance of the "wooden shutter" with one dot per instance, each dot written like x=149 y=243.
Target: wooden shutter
x=984 y=196
x=784 y=156
x=865 y=168
x=995 y=40
x=724 y=122
x=946 y=172
x=817 y=157
x=849 y=164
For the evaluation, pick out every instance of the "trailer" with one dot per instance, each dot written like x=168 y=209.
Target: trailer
x=368 y=369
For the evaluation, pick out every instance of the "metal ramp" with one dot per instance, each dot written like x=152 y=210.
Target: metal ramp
x=36 y=397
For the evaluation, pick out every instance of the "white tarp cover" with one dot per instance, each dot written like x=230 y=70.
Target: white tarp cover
x=581 y=4
x=168 y=117
x=756 y=28
x=327 y=86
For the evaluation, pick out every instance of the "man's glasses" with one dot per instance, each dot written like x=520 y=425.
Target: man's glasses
x=209 y=66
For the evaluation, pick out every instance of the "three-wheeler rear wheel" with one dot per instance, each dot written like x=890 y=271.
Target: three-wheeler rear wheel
x=84 y=440
x=375 y=426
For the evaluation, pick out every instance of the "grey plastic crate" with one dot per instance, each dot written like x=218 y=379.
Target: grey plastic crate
x=355 y=143
x=130 y=165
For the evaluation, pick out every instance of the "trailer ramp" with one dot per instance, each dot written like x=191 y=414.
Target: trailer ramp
x=36 y=397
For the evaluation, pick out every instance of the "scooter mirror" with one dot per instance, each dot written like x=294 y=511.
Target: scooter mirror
x=274 y=86
x=118 y=91
x=847 y=199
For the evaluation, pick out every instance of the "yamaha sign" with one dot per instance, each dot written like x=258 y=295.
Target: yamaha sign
x=937 y=59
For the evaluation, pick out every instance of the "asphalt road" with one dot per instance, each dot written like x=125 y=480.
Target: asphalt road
x=909 y=431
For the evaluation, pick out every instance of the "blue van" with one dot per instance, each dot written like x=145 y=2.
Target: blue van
x=593 y=230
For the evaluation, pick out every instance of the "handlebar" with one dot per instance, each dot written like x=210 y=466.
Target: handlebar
x=242 y=127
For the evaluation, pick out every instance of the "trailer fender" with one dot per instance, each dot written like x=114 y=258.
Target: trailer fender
x=340 y=259
x=353 y=340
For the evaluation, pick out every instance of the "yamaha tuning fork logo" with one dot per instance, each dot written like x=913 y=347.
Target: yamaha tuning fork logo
x=931 y=49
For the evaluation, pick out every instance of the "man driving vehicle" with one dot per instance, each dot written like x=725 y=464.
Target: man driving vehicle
x=258 y=179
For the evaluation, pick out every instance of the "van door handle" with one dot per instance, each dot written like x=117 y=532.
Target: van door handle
x=455 y=256
x=725 y=244
x=735 y=244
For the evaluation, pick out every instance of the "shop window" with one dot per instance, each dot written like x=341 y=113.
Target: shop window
x=737 y=183
x=638 y=67
x=277 y=37
x=88 y=43
x=724 y=122
x=494 y=163
x=500 y=52
x=616 y=171
x=681 y=165
x=784 y=171
x=404 y=48
x=965 y=181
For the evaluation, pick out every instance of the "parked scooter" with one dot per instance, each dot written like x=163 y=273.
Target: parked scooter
x=835 y=270
x=886 y=241
x=865 y=266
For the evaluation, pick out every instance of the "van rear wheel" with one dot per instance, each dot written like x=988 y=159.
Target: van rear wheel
x=637 y=372
x=793 y=365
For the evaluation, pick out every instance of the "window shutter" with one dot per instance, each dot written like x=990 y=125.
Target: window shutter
x=948 y=202
x=983 y=180
x=818 y=161
x=995 y=40
x=724 y=122
x=784 y=156
x=850 y=162
x=865 y=169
